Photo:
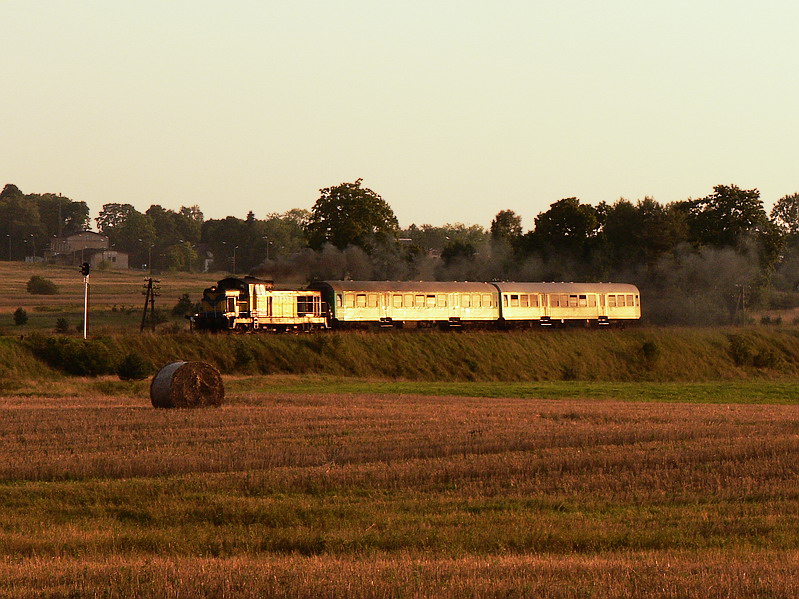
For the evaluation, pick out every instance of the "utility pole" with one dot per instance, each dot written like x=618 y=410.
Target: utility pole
x=150 y=291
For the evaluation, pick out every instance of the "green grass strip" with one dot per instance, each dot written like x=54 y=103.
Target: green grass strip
x=736 y=392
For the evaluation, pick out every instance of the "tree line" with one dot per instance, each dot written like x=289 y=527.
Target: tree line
x=697 y=260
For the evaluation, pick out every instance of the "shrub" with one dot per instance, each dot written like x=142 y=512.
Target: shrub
x=184 y=306
x=745 y=352
x=20 y=317
x=62 y=326
x=75 y=356
x=38 y=285
x=134 y=367
x=245 y=358
x=650 y=351
x=741 y=350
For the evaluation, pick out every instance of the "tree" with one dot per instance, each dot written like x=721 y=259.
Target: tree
x=224 y=236
x=349 y=214
x=60 y=215
x=457 y=251
x=566 y=226
x=506 y=226
x=429 y=237
x=640 y=233
x=165 y=225
x=20 y=223
x=180 y=256
x=723 y=217
x=785 y=214
x=285 y=233
x=10 y=191
x=20 y=317
x=112 y=215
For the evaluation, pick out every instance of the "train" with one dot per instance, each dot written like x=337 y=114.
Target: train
x=252 y=304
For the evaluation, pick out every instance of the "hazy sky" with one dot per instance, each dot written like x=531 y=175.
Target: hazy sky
x=450 y=110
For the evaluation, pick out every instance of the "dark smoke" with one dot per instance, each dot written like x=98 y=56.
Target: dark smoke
x=708 y=286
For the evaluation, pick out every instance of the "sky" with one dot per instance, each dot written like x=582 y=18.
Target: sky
x=451 y=111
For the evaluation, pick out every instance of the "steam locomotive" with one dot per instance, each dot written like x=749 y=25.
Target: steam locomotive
x=251 y=304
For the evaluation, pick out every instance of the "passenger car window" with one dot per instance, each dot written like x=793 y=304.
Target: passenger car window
x=582 y=301
x=592 y=301
x=372 y=300
x=525 y=300
x=360 y=300
x=441 y=300
x=466 y=300
x=349 y=300
x=419 y=301
x=611 y=301
x=487 y=300
x=514 y=300
x=396 y=301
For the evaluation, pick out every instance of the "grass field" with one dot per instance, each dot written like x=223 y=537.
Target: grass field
x=116 y=299
x=327 y=488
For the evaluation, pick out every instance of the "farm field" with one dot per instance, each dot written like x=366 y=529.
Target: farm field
x=334 y=487
x=116 y=299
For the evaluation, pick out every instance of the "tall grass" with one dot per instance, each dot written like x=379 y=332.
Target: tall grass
x=630 y=355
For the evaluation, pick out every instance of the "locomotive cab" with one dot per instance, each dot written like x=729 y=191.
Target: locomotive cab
x=219 y=308
x=251 y=304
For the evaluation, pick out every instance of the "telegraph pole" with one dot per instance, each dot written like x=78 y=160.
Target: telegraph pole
x=151 y=288
x=84 y=269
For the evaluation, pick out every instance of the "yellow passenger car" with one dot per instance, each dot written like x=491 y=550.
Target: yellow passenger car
x=409 y=303
x=565 y=303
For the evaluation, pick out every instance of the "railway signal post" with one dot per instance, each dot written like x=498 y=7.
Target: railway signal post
x=84 y=269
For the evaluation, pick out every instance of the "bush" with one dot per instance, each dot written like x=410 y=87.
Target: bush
x=62 y=326
x=741 y=350
x=745 y=352
x=184 y=306
x=245 y=358
x=650 y=351
x=74 y=356
x=38 y=285
x=134 y=367
x=20 y=317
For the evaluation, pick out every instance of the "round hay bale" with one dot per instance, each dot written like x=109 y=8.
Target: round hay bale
x=187 y=385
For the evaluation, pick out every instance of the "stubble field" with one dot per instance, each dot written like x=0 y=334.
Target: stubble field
x=293 y=493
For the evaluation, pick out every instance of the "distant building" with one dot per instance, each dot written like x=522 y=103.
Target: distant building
x=79 y=241
x=86 y=246
x=206 y=256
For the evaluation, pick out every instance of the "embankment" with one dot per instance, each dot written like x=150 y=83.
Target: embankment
x=666 y=354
